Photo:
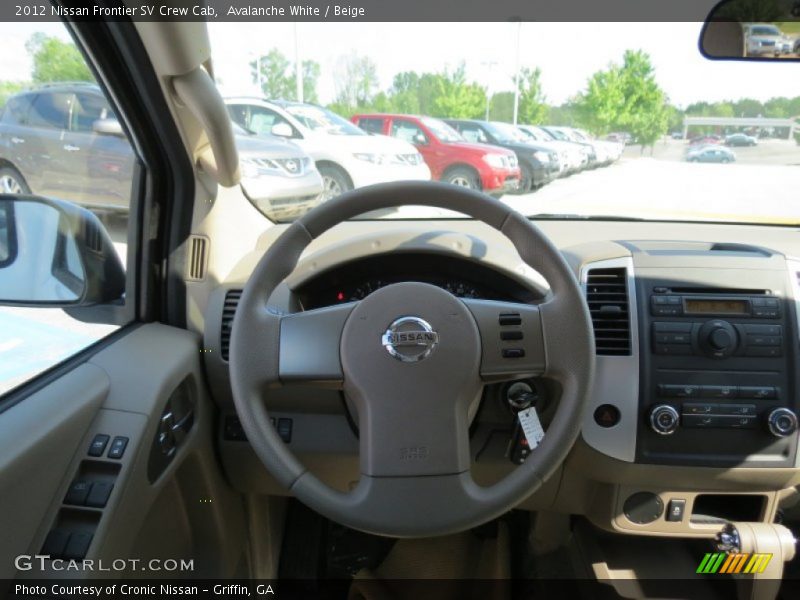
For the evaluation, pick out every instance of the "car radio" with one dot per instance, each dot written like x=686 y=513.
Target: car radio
x=717 y=386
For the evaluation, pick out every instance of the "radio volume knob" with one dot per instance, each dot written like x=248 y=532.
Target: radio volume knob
x=664 y=419
x=782 y=422
x=720 y=339
x=717 y=338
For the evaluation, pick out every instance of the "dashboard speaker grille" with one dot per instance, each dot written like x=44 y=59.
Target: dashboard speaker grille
x=228 y=311
x=607 y=296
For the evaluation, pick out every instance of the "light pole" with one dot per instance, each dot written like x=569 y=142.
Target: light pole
x=488 y=64
x=516 y=75
x=298 y=67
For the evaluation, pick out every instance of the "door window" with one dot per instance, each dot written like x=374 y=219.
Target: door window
x=371 y=125
x=51 y=110
x=95 y=176
x=408 y=132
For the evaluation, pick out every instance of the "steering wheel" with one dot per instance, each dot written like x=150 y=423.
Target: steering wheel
x=412 y=358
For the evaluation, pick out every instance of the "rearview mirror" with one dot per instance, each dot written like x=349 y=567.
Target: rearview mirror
x=753 y=30
x=54 y=253
x=282 y=130
x=108 y=127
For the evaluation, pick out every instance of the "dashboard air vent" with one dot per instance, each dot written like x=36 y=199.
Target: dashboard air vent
x=228 y=310
x=196 y=265
x=607 y=296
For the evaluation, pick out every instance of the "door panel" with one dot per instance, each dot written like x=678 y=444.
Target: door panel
x=38 y=438
x=123 y=391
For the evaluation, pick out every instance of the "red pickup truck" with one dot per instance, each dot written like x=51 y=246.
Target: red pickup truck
x=449 y=157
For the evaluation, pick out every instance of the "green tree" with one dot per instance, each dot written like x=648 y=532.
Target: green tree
x=356 y=81
x=778 y=108
x=501 y=107
x=456 y=98
x=272 y=72
x=625 y=97
x=310 y=73
x=9 y=88
x=747 y=107
x=532 y=109
x=56 y=60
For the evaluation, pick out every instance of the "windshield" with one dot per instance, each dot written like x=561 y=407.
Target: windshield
x=630 y=113
x=765 y=31
x=506 y=134
x=442 y=130
x=321 y=120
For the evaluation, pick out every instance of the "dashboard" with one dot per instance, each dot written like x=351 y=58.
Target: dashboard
x=695 y=391
x=356 y=279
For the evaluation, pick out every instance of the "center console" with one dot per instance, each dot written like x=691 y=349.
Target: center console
x=718 y=360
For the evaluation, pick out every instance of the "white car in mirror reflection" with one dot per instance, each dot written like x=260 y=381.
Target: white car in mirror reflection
x=765 y=39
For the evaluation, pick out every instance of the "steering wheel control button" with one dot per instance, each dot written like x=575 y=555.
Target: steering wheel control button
x=782 y=422
x=643 y=508
x=513 y=353
x=510 y=335
x=117 y=448
x=98 y=445
x=675 y=510
x=664 y=419
x=606 y=415
x=78 y=492
x=284 y=428
x=510 y=319
x=98 y=496
x=410 y=339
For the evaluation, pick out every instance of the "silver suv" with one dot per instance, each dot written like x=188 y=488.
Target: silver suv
x=64 y=140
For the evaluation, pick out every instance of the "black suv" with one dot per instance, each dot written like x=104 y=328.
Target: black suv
x=539 y=165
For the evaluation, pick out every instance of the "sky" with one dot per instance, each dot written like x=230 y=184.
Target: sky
x=567 y=54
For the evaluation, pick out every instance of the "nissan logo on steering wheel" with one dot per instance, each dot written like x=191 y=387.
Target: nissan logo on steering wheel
x=410 y=339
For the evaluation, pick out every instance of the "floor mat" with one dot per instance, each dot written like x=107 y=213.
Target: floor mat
x=462 y=566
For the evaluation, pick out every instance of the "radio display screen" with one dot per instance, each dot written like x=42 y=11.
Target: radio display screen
x=703 y=306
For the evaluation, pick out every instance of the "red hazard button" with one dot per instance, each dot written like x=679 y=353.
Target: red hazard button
x=606 y=415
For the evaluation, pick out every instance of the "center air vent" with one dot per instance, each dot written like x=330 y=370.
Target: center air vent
x=607 y=296
x=228 y=310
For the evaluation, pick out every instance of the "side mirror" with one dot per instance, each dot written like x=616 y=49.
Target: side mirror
x=282 y=130
x=420 y=140
x=108 y=127
x=54 y=253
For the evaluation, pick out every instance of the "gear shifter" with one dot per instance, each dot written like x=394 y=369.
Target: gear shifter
x=775 y=543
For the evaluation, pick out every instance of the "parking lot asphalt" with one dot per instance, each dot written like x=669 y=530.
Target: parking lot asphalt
x=763 y=185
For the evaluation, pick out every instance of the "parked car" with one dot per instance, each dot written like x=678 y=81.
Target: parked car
x=765 y=39
x=676 y=135
x=711 y=154
x=609 y=151
x=449 y=156
x=538 y=164
x=705 y=140
x=346 y=156
x=571 y=157
x=740 y=139
x=560 y=133
x=63 y=140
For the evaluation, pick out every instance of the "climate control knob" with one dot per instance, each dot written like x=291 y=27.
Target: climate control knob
x=664 y=419
x=782 y=422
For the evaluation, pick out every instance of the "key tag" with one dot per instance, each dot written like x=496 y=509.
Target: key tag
x=531 y=426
